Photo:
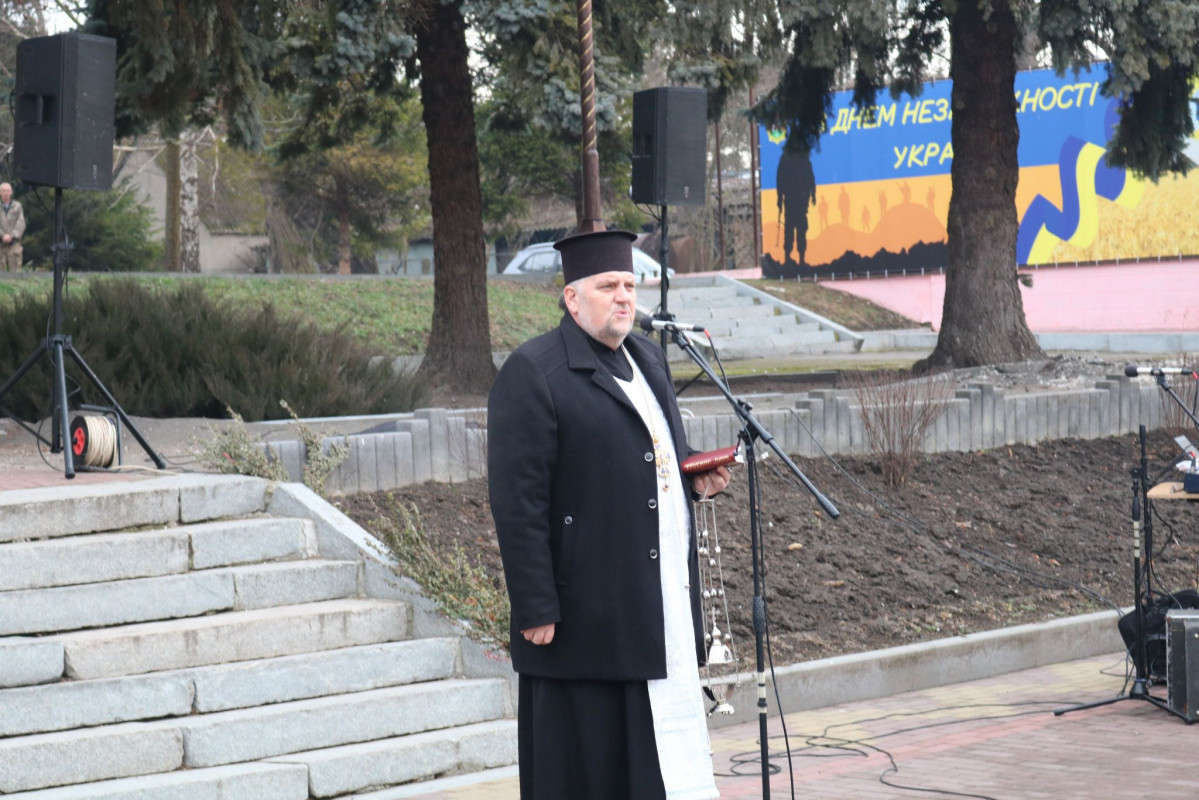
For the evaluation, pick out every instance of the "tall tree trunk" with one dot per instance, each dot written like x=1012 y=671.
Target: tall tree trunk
x=344 y=250
x=171 y=234
x=189 y=201
x=459 y=352
x=983 y=318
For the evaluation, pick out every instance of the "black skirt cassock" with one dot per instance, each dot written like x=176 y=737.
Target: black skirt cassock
x=587 y=740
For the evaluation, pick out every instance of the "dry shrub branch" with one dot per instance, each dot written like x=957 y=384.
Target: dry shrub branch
x=1175 y=419
x=236 y=451
x=455 y=579
x=897 y=414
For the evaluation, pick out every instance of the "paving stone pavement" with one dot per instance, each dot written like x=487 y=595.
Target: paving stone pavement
x=994 y=738
x=37 y=477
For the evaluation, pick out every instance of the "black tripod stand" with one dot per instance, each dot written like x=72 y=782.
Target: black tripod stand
x=1142 y=580
x=58 y=347
x=751 y=431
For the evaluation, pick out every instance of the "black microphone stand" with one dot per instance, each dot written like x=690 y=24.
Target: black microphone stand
x=1163 y=383
x=664 y=264
x=1142 y=537
x=58 y=346
x=751 y=431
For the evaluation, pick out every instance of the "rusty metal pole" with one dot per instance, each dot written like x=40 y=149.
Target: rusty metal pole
x=592 y=216
x=723 y=263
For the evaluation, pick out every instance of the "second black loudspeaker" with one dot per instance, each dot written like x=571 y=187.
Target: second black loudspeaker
x=670 y=146
x=64 y=128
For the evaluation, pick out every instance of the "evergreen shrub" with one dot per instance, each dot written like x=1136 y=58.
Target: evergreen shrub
x=180 y=353
x=108 y=231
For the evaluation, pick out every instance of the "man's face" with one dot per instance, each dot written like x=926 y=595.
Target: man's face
x=604 y=305
x=5 y=193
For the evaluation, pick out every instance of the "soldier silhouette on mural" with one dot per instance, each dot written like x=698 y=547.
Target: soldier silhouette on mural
x=796 y=186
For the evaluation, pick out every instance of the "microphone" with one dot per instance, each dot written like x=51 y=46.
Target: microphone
x=1132 y=371
x=651 y=324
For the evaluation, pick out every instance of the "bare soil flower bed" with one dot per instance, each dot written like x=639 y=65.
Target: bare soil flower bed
x=972 y=542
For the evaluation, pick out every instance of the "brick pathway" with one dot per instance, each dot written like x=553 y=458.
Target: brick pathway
x=31 y=477
x=994 y=738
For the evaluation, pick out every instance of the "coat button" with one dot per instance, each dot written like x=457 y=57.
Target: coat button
x=569 y=519
x=653 y=503
x=649 y=456
x=653 y=554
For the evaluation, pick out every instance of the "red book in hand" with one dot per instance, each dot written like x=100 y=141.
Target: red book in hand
x=702 y=462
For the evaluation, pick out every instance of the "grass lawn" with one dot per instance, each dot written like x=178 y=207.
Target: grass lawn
x=390 y=316
x=849 y=310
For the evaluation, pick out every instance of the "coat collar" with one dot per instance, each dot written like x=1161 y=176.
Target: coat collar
x=580 y=356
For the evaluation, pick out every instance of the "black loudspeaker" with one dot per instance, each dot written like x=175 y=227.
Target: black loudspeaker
x=1182 y=662
x=670 y=146
x=65 y=91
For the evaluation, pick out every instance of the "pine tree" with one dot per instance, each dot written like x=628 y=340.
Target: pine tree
x=1151 y=46
x=193 y=60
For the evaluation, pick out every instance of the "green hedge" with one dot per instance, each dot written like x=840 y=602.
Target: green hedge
x=179 y=353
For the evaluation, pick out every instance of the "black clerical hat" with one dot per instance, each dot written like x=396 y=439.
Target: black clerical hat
x=586 y=254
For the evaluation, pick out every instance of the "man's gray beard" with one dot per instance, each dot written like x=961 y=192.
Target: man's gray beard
x=609 y=331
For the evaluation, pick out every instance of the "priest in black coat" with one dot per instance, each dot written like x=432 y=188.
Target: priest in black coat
x=577 y=469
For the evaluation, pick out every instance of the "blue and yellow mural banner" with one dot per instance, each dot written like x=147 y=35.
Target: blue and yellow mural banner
x=874 y=197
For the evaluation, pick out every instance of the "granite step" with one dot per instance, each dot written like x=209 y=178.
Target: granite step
x=362 y=767
x=229 y=543
x=743 y=310
x=157 y=695
x=92 y=558
x=758 y=326
x=26 y=661
x=95 y=605
x=100 y=557
x=252 y=734
x=28 y=514
x=256 y=781
x=93 y=754
x=700 y=295
x=233 y=636
x=84 y=704
x=308 y=675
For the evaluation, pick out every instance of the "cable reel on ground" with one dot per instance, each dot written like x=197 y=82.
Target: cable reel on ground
x=94 y=441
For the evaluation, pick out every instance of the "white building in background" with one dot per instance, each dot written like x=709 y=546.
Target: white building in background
x=221 y=252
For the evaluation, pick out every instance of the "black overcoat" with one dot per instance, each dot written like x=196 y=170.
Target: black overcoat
x=574 y=497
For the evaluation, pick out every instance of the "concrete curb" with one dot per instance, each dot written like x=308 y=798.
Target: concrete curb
x=450 y=446
x=879 y=673
x=1133 y=343
x=895 y=670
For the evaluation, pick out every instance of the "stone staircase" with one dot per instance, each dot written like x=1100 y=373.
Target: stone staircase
x=202 y=637
x=746 y=323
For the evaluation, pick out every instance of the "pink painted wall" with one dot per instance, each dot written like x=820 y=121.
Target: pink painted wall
x=1147 y=296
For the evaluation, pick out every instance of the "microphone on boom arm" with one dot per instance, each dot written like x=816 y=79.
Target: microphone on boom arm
x=1132 y=371
x=651 y=324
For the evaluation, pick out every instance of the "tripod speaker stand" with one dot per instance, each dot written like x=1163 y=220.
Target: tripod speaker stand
x=57 y=347
x=63 y=134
